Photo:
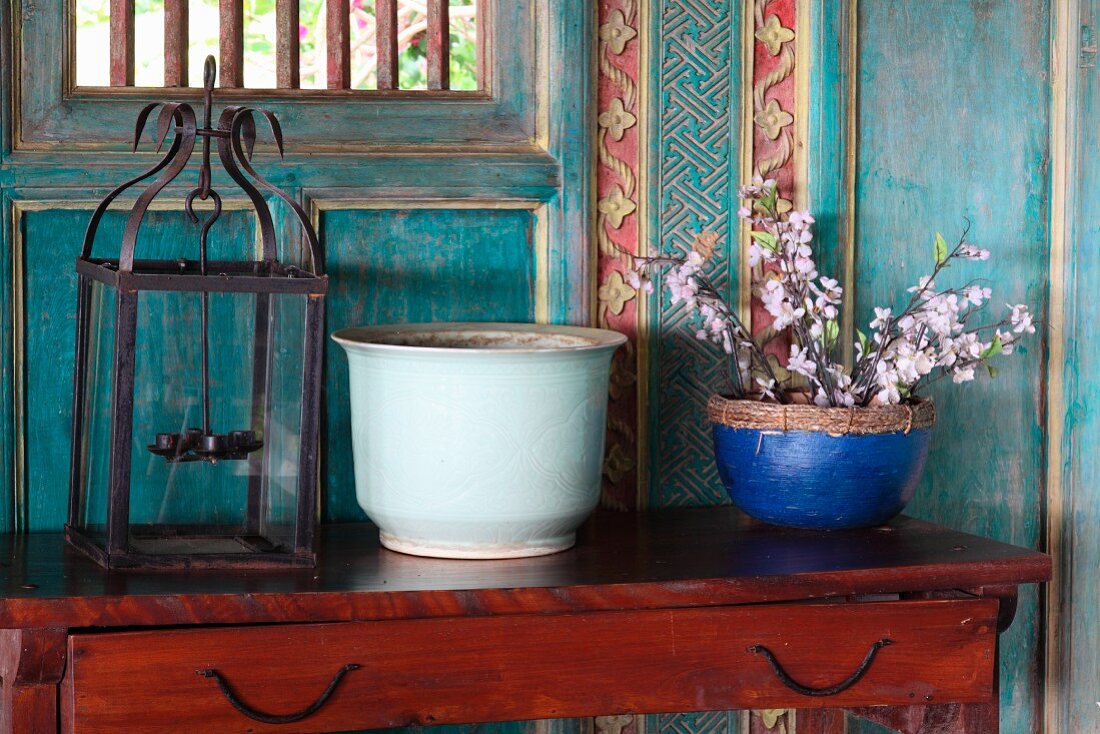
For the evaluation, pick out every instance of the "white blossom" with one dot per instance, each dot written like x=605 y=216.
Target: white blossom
x=800 y=362
x=970 y=252
x=976 y=295
x=1021 y=319
x=963 y=373
x=800 y=220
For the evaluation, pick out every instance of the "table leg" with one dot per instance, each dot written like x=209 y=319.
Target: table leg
x=32 y=662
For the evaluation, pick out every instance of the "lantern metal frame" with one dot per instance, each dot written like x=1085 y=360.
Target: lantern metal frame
x=235 y=136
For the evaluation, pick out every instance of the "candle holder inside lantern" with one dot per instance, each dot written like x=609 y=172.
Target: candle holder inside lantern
x=197 y=386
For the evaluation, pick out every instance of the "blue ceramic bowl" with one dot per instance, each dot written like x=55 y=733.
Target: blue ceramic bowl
x=814 y=479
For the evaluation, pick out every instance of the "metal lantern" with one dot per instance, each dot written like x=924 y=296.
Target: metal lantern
x=196 y=394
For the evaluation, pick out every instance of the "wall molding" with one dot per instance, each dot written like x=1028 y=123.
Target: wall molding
x=540 y=246
x=1066 y=24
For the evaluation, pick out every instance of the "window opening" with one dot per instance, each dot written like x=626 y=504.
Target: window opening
x=386 y=45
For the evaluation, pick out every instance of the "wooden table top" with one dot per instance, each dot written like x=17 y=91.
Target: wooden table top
x=657 y=559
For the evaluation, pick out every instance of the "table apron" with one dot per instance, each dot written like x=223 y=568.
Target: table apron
x=495 y=668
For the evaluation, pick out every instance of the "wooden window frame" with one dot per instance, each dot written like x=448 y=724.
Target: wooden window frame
x=52 y=111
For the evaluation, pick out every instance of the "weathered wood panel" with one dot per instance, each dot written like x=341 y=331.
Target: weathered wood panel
x=439 y=45
x=338 y=32
x=953 y=124
x=7 y=368
x=122 y=43
x=231 y=44
x=1074 y=509
x=175 y=43
x=385 y=13
x=411 y=265
x=287 y=45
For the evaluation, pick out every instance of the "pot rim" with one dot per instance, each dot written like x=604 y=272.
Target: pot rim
x=918 y=414
x=370 y=337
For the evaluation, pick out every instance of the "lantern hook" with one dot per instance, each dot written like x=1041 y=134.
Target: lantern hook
x=204 y=444
x=189 y=207
x=209 y=72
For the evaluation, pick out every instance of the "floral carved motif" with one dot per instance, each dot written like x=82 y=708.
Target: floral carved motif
x=773 y=116
x=617 y=192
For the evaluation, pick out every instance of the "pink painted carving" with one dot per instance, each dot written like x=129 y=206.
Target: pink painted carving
x=617 y=192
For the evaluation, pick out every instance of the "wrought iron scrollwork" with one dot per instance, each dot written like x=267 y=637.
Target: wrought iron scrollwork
x=235 y=134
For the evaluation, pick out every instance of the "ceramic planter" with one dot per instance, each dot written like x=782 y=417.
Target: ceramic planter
x=826 y=468
x=478 y=440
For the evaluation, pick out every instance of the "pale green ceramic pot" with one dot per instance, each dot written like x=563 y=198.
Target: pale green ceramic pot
x=478 y=440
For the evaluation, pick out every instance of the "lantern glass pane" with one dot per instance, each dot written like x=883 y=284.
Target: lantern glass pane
x=234 y=504
x=96 y=434
x=284 y=426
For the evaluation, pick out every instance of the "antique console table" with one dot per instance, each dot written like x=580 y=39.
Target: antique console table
x=666 y=611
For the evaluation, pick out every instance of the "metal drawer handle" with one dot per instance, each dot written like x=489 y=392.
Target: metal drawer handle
x=844 y=685
x=252 y=713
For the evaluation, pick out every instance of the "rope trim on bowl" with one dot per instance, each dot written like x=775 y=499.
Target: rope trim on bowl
x=873 y=419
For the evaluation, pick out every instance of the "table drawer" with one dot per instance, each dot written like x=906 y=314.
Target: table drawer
x=451 y=670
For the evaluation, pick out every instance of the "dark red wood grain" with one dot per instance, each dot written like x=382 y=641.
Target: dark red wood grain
x=951 y=718
x=810 y=721
x=338 y=28
x=439 y=45
x=31 y=664
x=175 y=43
x=122 y=43
x=474 y=669
x=231 y=44
x=287 y=43
x=385 y=13
x=672 y=558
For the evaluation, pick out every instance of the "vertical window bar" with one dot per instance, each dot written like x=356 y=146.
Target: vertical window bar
x=439 y=45
x=175 y=43
x=231 y=43
x=482 y=41
x=338 y=26
x=122 y=43
x=287 y=51
x=385 y=14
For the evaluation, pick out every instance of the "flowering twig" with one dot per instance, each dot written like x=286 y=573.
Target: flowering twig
x=928 y=340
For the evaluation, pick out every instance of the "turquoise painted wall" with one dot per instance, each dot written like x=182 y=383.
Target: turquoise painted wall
x=410 y=265
x=954 y=124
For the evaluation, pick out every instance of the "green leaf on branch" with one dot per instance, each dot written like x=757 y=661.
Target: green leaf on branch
x=864 y=342
x=766 y=240
x=993 y=349
x=832 y=331
x=940 y=249
x=993 y=372
x=771 y=200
